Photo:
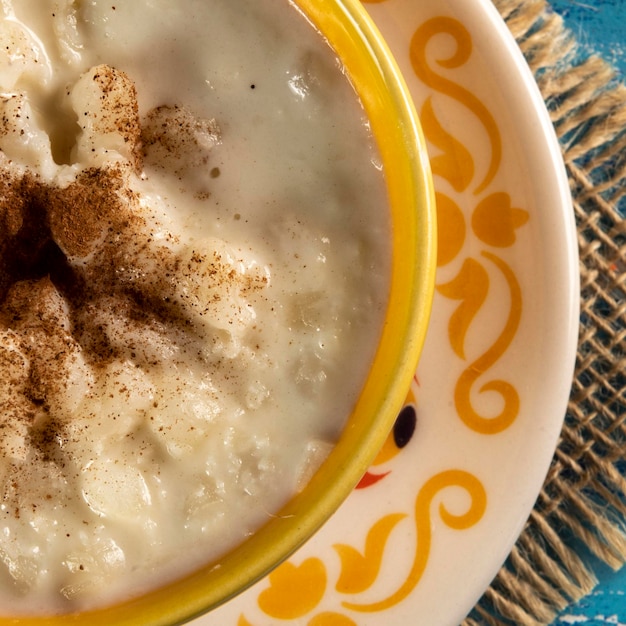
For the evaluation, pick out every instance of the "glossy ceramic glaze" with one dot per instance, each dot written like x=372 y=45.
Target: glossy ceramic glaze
x=441 y=507
x=395 y=125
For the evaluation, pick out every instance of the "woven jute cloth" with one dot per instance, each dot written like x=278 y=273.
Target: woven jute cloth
x=580 y=515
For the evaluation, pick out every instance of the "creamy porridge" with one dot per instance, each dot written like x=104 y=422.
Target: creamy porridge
x=193 y=273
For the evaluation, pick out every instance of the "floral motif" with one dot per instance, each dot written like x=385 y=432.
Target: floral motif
x=294 y=590
x=494 y=223
x=438 y=82
x=423 y=525
x=360 y=570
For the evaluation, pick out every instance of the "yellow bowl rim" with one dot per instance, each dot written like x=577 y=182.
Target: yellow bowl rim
x=380 y=85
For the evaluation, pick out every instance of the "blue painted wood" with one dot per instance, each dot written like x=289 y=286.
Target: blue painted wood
x=605 y=605
x=600 y=27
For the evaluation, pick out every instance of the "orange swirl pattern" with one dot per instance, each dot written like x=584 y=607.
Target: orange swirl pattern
x=465 y=384
x=431 y=78
x=359 y=570
x=494 y=222
x=294 y=591
x=423 y=525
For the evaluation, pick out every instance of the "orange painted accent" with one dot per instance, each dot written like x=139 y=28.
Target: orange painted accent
x=431 y=78
x=294 y=590
x=451 y=229
x=455 y=163
x=423 y=523
x=359 y=571
x=331 y=619
x=390 y=449
x=471 y=287
x=242 y=621
x=495 y=221
x=369 y=479
x=462 y=392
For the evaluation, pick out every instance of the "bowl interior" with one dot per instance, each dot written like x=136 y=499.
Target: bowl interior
x=396 y=129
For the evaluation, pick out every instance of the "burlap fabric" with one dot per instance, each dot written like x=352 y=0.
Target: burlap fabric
x=581 y=510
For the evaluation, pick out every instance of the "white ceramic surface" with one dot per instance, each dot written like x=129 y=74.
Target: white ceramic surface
x=419 y=545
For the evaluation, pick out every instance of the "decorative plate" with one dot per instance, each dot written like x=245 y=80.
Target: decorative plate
x=430 y=524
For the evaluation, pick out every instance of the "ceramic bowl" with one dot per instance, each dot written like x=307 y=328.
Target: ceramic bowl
x=369 y=64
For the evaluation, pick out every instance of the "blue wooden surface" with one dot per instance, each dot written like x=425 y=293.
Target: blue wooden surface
x=600 y=27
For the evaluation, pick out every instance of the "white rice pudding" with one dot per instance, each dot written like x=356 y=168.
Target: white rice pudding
x=194 y=260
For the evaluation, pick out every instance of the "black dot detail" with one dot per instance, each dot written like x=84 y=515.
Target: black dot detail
x=405 y=425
